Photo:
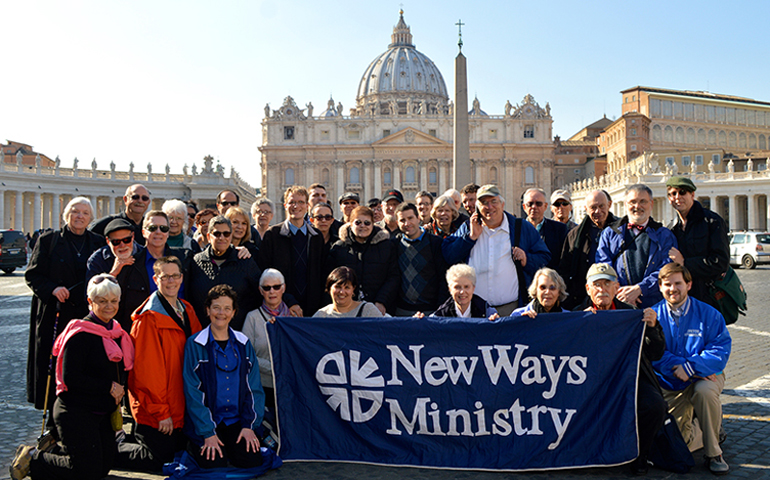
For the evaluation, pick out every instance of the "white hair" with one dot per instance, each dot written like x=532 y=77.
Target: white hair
x=77 y=201
x=271 y=274
x=262 y=201
x=102 y=285
x=176 y=206
x=461 y=270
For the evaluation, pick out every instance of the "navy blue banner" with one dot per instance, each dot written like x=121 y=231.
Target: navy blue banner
x=557 y=391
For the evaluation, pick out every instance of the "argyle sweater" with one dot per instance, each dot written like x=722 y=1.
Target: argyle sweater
x=422 y=266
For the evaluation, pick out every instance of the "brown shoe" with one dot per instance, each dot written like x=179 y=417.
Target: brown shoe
x=20 y=466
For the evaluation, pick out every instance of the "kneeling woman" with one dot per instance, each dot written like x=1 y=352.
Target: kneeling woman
x=547 y=290
x=93 y=356
x=225 y=401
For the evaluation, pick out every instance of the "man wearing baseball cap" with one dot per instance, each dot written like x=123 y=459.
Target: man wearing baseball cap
x=392 y=199
x=505 y=251
x=561 y=208
x=602 y=286
x=348 y=202
x=701 y=236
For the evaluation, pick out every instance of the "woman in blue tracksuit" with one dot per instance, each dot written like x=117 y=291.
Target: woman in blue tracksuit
x=223 y=391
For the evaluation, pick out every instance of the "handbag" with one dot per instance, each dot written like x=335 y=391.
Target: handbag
x=116 y=420
x=729 y=294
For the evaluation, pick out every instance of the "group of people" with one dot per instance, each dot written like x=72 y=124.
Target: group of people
x=177 y=299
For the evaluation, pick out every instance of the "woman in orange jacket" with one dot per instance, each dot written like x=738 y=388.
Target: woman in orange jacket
x=156 y=386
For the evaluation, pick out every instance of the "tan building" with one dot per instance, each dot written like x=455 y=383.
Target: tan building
x=399 y=135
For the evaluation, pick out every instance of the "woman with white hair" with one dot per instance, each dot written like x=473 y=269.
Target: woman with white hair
x=56 y=275
x=272 y=286
x=547 y=291
x=176 y=210
x=444 y=213
x=93 y=358
x=463 y=302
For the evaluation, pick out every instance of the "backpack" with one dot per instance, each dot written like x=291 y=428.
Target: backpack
x=729 y=295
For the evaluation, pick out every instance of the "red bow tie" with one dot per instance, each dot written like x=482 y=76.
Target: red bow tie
x=631 y=226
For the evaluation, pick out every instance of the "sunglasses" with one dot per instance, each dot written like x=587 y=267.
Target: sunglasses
x=117 y=241
x=681 y=193
x=229 y=204
x=218 y=234
x=366 y=223
x=323 y=217
x=152 y=228
x=267 y=288
x=144 y=198
x=533 y=204
x=100 y=278
x=560 y=204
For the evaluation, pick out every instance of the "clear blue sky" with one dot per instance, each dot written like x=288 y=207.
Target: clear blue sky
x=173 y=81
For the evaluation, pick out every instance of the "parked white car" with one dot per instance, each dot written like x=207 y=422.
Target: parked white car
x=748 y=249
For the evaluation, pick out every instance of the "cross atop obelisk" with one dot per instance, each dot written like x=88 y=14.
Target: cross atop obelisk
x=461 y=146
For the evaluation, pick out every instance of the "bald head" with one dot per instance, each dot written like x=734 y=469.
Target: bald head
x=598 y=207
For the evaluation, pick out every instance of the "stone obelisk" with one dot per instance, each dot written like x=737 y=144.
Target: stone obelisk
x=461 y=147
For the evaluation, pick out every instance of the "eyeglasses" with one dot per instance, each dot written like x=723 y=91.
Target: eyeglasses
x=191 y=215
x=165 y=278
x=561 y=204
x=534 y=204
x=218 y=234
x=297 y=203
x=323 y=217
x=117 y=241
x=152 y=228
x=264 y=212
x=144 y=198
x=229 y=204
x=100 y=278
x=681 y=193
x=366 y=223
x=267 y=288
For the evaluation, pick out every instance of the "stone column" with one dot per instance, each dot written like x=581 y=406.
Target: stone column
x=111 y=206
x=19 y=213
x=477 y=174
x=752 y=222
x=377 y=178
x=396 y=174
x=95 y=202
x=2 y=210
x=339 y=172
x=423 y=174
x=733 y=213
x=443 y=172
x=37 y=212
x=56 y=212
x=369 y=185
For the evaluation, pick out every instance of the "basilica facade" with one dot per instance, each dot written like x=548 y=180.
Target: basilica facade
x=399 y=134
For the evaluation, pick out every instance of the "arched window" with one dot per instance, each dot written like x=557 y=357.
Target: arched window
x=712 y=137
x=722 y=138
x=325 y=176
x=742 y=141
x=701 y=136
x=762 y=143
x=668 y=134
x=679 y=135
x=387 y=177
x=409 y=177
x=657 y=133
x=690 y=136
x=432 y=176
x=288 y=176
x=355 y=176
x=752 y=140
x=733 y=139
x=529 y=175
x=493 y=175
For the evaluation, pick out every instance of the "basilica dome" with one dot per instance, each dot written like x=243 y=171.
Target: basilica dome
x=402 y=80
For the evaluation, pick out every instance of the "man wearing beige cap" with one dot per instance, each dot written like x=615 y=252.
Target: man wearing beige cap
x=561 y=208
x=602 y=286
x=505 y=251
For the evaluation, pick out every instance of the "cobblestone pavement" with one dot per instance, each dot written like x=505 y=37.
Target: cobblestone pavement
x=746 y=401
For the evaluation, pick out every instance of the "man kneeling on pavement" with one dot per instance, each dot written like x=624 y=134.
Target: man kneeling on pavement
x=602 y=287
x=691 y=371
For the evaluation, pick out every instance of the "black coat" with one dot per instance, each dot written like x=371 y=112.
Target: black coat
x=98 y=226
x=52 y=265
x=576 y=259
x=553 y=234
x=705 y=248
x=375 y=263
x=241 y=274
x=478 y=308
x=276 y=251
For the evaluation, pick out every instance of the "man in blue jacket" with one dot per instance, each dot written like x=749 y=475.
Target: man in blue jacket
x=691 y=371
x=637 y=247
x=505 y=251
